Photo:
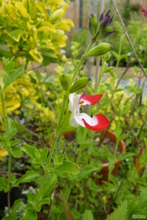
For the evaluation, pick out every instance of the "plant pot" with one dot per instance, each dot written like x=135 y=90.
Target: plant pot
x=137 y=163
x=104 y=172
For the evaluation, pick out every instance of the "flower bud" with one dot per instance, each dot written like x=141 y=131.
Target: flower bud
x=99 y=50
x=64 y=80
x=109 y=69
x=105 y=20
x=93 y=25
x=80 y=83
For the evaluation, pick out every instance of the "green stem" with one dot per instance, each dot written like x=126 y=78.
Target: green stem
x=83 y=139
x=116 y=148
x=57 y=130
x=100 y=76
x=4 y=116
x=65 y=101
x=119 y=52
x=80 y=63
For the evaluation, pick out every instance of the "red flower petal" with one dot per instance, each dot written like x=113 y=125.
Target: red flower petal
x=92 y=99
x=102 y=123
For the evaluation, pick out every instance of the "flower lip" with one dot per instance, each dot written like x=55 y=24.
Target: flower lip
x=99 y=123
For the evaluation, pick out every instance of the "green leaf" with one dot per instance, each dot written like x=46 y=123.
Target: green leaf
x=11 y=76
x=111 y=164
x=87 y=171
x=29 y=150
x=16 y=152
x=125 y=155
x=27 y=177
x=38 y=75
x=16 y=205
x=36 y=55
x=66 y=129
x=8 y=64
x=118 y=130
x=143 y=158
x=88 y=215
x=67 y=167
x=45 y=201
x=49 y=185
x=79 y=134
x=120 y=213
x=48 y=53
x=12 y=217
x=13 y=179
x=3 y=183
x=58 y=159
x=15 y=142
x=30 y=214
x=43 y=154
x=15 y=35
x=11 y=128
x=140 y=181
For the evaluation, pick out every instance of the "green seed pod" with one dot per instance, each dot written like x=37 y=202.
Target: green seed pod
x=93 y=25
x=64 y=80
x=99 y=50
x=80 y=83
x=107 y=70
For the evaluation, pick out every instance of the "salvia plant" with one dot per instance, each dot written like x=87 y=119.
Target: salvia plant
x=52 y=172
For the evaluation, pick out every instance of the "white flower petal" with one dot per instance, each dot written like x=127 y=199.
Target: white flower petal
x=73 y=122
x=71 y=101
x=74 y=105
x=91 y=121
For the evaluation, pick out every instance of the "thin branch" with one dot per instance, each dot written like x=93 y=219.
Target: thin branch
x=129 y=40
x=48 y=103
x=104 y=206
x=132 y=131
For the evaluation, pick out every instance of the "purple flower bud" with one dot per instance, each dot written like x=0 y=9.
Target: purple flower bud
x=101 y=17
x=105 y=20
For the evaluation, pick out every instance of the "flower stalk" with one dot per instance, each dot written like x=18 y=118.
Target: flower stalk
x=65 y=100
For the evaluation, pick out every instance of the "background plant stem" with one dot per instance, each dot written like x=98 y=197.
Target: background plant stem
x=129 y=40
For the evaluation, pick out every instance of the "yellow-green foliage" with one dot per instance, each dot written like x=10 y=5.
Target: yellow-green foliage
x=33 y=28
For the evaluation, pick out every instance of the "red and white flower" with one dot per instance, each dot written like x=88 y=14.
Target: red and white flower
x=96 y=123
